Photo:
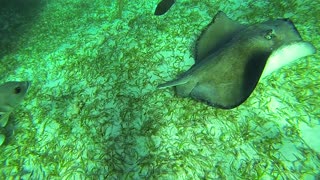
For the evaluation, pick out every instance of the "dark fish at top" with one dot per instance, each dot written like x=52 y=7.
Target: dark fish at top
x=230 y=59
x=163 y=7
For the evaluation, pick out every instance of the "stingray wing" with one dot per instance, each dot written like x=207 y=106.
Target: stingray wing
x=216 y=34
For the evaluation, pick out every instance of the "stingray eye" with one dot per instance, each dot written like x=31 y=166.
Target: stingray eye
x=269 y=34
x=17 y=90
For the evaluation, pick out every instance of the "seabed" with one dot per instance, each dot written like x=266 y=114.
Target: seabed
x=93 y=110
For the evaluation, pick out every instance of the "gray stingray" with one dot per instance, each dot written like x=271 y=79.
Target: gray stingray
x=230 y=59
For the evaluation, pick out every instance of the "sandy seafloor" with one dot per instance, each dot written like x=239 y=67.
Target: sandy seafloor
x=93 y=110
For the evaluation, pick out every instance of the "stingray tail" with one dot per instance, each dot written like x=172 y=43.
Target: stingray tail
x=176 y=82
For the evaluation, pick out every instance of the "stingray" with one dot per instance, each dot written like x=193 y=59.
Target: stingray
x=231 y=58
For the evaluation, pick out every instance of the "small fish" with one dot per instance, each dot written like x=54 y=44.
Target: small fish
x=11 y=95
x=230 y=59
x=163 y=7
x=2 y=138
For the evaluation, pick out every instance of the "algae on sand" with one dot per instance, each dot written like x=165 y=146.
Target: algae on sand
x=94 y=110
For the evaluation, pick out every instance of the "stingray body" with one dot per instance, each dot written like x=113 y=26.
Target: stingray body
x=230 y=58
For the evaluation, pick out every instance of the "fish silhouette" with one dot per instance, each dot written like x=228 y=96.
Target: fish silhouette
x=163 y=7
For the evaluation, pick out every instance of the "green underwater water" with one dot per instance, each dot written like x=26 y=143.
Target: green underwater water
x=93 y=110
